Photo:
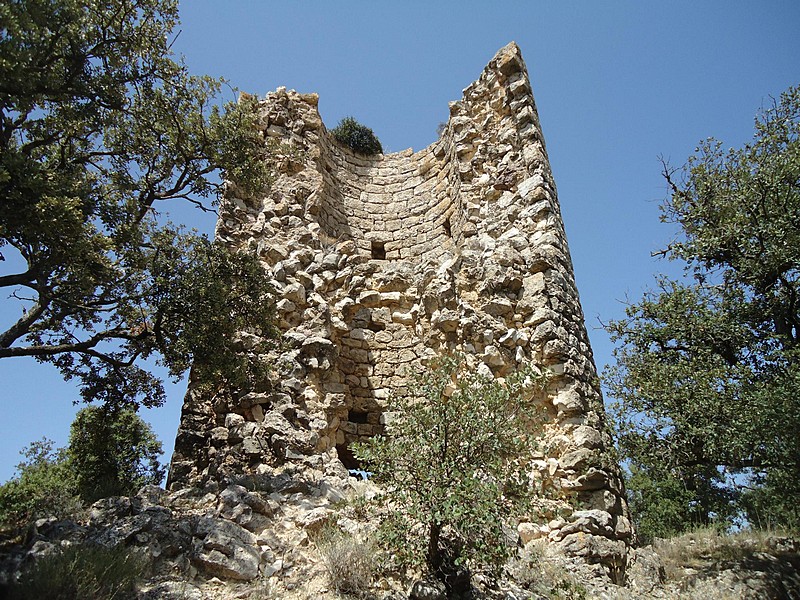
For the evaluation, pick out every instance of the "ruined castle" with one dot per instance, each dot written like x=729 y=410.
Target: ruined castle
x=382 y=262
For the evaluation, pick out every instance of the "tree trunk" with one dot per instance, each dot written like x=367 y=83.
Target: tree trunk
x=434 y=555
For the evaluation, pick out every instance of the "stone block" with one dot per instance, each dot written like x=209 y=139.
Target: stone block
x=445 y=319
x=531 y=531
x=251 y=446
x=233 y=420
x=228 y=550
x=365 y=429
x=493 y=357
x=219 y=436
x=569 y=402
x=405 y=318
x=369 y=298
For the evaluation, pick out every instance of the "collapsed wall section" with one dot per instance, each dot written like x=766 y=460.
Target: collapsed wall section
x=381 y=263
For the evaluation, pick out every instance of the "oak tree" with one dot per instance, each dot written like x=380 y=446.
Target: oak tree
x=100 y=126
x=112 y=452
x=707 y=377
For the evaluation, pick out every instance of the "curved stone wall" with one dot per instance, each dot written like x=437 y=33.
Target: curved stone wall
x=400 y=201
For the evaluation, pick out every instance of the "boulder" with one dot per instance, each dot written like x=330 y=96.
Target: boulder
x=226 y=549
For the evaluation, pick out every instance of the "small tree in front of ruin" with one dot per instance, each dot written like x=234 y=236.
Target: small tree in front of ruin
x=454 y=463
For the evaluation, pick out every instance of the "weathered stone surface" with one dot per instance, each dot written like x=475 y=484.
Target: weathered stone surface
x=645 y=571
x=226 y=549
x=248 y=509
x=595 y=548
x=315 y=519
x=593 y=521
x=240 y=562
x=215 y=558
x=427 y=590
x=172 y=590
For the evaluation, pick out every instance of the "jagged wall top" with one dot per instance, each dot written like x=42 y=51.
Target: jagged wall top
x=411 y=202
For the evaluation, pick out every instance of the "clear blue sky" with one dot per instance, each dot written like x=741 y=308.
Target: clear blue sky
x=617 y=84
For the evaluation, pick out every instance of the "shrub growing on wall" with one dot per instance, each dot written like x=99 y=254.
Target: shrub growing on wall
x=357 y=137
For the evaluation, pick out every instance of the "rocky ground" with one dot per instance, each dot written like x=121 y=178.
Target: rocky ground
x=299 y=543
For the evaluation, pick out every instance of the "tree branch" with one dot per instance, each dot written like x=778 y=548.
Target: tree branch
x=25 y=279
x=85 y=346
x=22 y=326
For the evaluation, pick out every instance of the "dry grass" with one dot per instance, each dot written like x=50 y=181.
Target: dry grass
x=706 y=564
x=544 y=577
x=349 y=561
x=699 y=548
x=82 y=571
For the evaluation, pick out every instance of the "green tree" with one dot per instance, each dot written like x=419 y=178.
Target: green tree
x=707 y=379
x=112 y=452
x=453 y=462
x=100 y=125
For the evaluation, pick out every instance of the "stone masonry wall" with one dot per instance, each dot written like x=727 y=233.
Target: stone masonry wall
x=383 y=262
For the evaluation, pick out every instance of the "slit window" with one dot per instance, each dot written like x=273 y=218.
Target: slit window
x=378 y=251
x=447 y=230
x=357 y=416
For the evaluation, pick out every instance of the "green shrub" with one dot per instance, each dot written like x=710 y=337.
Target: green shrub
x=85 y=572
x=454 y=462
x=45 y=486
x=357 y=137
x=111 y=452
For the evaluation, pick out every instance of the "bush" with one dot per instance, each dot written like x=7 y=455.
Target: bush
x=85 y=572
x=357 y=137
x=112 y=452
x=45 y=486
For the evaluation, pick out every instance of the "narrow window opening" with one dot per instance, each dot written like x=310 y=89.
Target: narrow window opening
x=448 y=231
x=378 y=251
x=357 y=416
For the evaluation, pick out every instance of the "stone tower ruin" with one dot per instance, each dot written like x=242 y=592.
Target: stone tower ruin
x=384 y=261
